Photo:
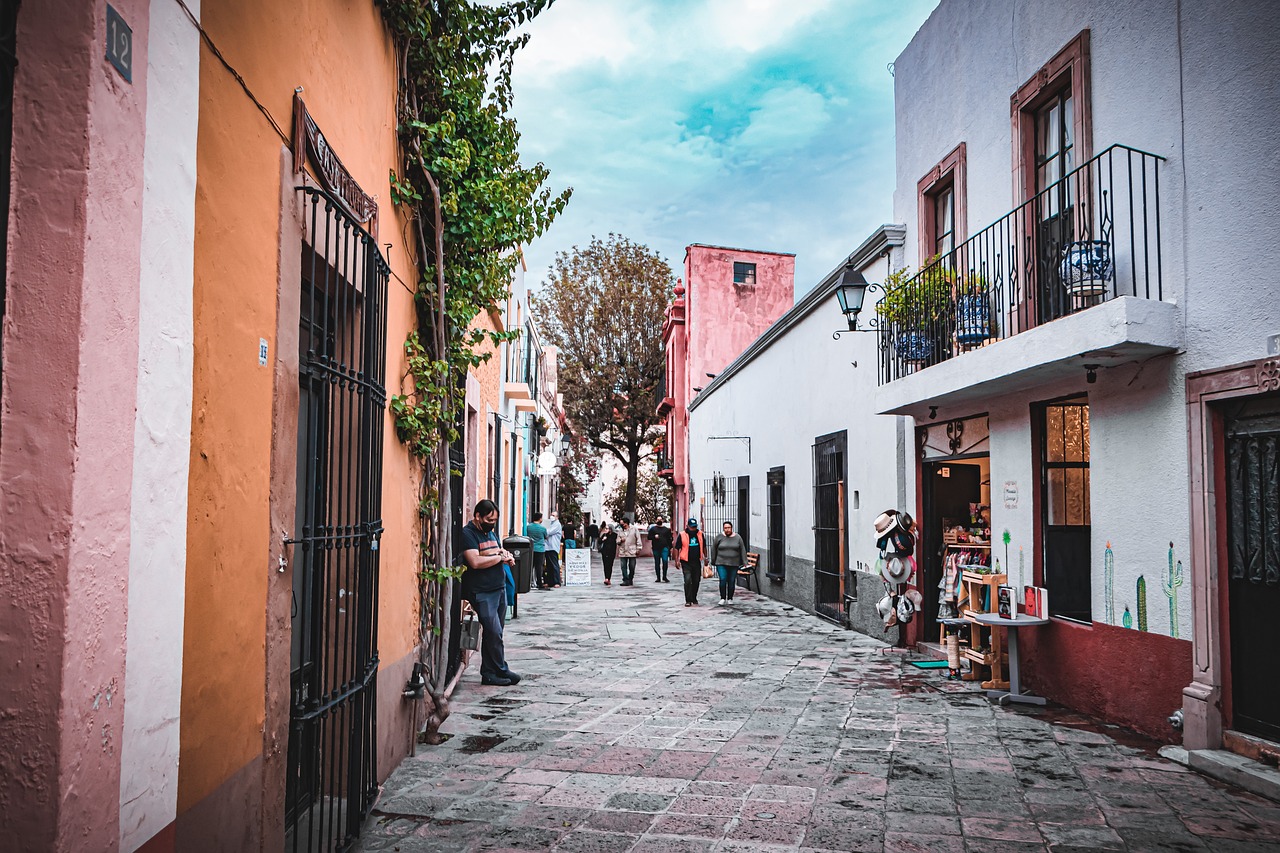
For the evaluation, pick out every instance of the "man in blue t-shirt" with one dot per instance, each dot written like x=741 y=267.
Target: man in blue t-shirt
x=484 y=585
x=538 y=536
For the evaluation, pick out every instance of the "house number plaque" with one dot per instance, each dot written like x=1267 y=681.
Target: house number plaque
x=119 y=44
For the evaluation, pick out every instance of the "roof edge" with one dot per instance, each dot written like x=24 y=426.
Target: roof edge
x=883 y=239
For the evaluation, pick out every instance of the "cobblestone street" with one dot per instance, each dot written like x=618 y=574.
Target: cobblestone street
x=642 y=725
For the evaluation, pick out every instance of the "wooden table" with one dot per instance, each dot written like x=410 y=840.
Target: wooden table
x=1014 y=693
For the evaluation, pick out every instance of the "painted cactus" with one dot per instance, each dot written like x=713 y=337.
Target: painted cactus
x=1142 y=603
x=1127 y=619
x=1108 y=584
x=1169 y=583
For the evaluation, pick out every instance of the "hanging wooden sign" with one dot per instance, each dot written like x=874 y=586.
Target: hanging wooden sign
x=308 y=141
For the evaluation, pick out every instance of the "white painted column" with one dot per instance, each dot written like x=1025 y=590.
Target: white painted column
x=162 y=431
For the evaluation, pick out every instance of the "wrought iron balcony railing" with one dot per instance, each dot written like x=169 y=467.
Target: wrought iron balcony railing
x=665 y=463
x=1091 y=236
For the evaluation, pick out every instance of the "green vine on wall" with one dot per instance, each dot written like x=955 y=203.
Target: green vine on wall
x=469 y=204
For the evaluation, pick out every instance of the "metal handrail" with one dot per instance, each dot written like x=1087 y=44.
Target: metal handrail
x=1090 y=236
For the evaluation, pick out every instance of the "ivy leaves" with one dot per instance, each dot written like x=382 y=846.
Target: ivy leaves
x=454 y=127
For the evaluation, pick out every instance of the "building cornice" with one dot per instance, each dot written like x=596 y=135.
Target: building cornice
x=882 y=240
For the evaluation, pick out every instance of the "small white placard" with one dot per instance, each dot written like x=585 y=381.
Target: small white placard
x=1010 y=494
x=577 y=567
x=262 y=351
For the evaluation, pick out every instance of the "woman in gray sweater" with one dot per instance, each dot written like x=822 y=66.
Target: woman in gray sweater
x=728 y=554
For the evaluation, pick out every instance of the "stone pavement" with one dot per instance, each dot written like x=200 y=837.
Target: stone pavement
x=642 y=725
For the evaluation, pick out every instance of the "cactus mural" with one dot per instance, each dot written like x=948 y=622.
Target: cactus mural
x=1169 y=583
x=1142 y=602
x=1108 y=584
x=1127 y=619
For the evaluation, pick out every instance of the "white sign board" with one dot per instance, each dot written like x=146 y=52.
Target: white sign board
x=1010 y=494
x=577 y=567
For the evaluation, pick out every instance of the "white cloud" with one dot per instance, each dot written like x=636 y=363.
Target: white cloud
x=786 y=118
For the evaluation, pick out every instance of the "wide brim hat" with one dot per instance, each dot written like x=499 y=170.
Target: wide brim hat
x=896 y=569
x=916 y=598
x=887 y=522
x=885 y=606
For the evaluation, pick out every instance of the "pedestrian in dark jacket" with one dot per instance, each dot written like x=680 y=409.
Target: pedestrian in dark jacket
x=691 y=550
x=608 y=550
x=660 y=537
x=593 y=534
x=728 y=554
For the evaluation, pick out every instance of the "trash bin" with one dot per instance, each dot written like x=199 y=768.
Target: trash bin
x=522 y=548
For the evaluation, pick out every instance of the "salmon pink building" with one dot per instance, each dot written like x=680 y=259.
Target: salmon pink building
x=729 y=298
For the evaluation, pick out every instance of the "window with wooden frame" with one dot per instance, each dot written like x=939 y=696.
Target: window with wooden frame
x=1052 y=134
x=941 y=205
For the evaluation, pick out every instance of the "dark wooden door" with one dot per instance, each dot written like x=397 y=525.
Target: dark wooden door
x=1253 y=565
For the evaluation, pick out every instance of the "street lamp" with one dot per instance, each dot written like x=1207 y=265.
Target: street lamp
x=851 y=293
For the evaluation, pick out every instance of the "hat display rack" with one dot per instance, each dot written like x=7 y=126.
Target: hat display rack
x=896 y=539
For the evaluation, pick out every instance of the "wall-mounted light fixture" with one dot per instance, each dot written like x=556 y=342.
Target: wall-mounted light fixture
x=851 y=293
x=1091 y=373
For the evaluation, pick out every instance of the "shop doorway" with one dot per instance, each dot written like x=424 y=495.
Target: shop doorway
x=955 y=520
x=1252 y=449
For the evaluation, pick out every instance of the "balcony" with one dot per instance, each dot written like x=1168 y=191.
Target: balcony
x=666 y=468
x=665 y=401
x=1073 y=275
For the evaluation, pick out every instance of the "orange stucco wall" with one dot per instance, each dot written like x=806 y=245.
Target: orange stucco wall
x=341 y=55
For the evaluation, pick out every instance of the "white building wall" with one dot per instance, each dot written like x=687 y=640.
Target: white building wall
x=1191 y=83
x=162 y=432
x=803 y=386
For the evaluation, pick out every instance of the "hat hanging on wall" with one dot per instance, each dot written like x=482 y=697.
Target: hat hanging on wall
x=886 y=522
x=885 y=606
x=906 y=610
x=897 y=569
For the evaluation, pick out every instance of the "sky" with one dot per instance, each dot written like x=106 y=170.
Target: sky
x=756 y=124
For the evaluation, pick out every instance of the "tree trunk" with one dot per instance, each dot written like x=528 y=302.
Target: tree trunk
x=633 y=468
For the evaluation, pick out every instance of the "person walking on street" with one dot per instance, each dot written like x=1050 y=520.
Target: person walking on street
x=691 y=551
x=660 y=537
x=593 y=534
x=628 y=550
x=537 y=535
x=608 y=550
x=555 y=536
x=571 y=535
x=484 y=586
x=728 y=554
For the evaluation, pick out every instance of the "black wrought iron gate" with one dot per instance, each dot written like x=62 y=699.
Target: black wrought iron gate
x=342 y=366
x=1253 y=565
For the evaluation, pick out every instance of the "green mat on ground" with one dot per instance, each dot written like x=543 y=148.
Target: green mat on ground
x=928 y=664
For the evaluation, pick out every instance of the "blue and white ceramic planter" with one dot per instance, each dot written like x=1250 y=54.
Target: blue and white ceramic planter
x=1086 y=267
x=915 y=346
x=973 y=319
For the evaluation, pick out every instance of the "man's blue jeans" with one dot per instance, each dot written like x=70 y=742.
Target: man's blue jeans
x=491 y=610
x=661 y=559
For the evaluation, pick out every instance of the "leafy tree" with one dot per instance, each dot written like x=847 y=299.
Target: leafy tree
x=653 y=497
x=603 y=307
x=468 y=205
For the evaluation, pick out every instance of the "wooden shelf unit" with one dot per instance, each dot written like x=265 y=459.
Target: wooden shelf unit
x=975 y=584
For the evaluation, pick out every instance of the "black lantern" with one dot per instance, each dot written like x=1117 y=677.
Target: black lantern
x=850 y=293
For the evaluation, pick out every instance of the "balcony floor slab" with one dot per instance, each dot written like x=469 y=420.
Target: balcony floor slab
x=1121 y=330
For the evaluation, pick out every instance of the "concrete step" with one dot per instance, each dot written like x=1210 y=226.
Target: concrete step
x=1253 y=776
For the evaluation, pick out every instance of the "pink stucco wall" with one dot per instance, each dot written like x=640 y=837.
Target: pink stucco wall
x=723 y=317
x=71 y=354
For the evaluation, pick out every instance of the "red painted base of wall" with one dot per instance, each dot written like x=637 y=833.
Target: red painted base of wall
x=1130 y=678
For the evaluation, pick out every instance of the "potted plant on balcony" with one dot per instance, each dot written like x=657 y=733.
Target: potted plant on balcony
x=540 y=425
x=975 y=321
x=915 y=306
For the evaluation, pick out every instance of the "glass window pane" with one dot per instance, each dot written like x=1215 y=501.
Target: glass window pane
x=1056 y=496
x=1054 y=441
x=1077 y=513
